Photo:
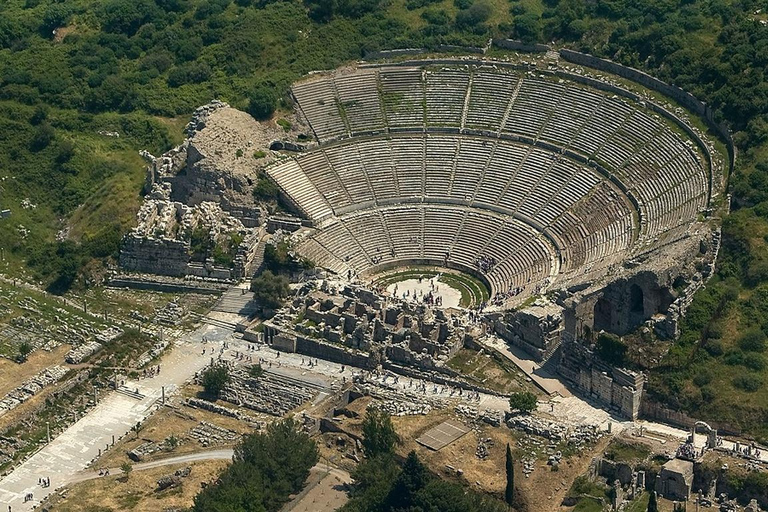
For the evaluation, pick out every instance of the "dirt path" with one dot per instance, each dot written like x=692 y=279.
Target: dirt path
x=179 y=459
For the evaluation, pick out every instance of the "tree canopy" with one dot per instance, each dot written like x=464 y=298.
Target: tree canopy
x=214 y=379
x=269 y=289
x=266 y=468
x=379 y=436
x=523 y=401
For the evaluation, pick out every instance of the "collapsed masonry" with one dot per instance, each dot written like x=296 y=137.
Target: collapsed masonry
x=174 y=239
x=368 y=328
x=649 y=291
x=200 y=217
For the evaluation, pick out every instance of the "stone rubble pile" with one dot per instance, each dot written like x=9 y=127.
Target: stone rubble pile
x=143 y=450
x=152 y=353
x=396 y=401
x=174 y=480
x=270 y=394
x=538 y=427
x=78 y=354
x=467 y=411
x=529 y=465
x=208 y=434
x=161 y=242
x=483 y=450
x=197 y=403
x=108 y=334
x=492 y=417
x=579 y=436
x=200 y=116
x=31 y=387
x=170 y=314
x=404 y=408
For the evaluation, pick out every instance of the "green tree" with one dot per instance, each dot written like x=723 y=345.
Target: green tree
x=283 y=455
x=262 y=102
x=379 y=436
x=256 y=371
x=126 y=468
x=528 y=28
x=412 y=479
x=652 y=505
x=267 y=467
x=754 y=340
x=269 y=290
x=215 y=379
x=24 y=350
x=42 y=137
x=509 y=490
x=524 y=402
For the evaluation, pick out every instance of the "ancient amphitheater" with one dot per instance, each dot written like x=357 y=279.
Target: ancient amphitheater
x=546 y=180
x=573 y=201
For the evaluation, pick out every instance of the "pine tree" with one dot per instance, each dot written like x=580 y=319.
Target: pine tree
x=652 y=505
x=509 y=492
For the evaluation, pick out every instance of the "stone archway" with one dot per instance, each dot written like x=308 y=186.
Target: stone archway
x=603 y=315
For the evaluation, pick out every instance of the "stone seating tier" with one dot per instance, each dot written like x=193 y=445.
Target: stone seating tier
x=554 y=180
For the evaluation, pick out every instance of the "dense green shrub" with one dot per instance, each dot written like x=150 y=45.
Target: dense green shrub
x=262 y=102
x=611 y=349
x=754 y=340
x=749 y=382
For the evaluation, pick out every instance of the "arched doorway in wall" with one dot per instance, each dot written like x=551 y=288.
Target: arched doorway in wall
x=603 y=315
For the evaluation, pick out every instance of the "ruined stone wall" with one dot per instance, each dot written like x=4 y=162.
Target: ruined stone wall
x=536 y=329
x=684 y=98
x=619 y=389
x=154 y=255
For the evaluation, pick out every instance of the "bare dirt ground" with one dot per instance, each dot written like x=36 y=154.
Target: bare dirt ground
x=489 y=474
x=12 y=374
x=139 y=491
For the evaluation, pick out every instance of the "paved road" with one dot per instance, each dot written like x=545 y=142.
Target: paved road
x=225 y=454
x=75 y=449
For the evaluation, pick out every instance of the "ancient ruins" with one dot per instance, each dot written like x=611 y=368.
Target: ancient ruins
x=560 y=209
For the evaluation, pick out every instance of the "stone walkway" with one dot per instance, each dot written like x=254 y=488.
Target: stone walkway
x=115 y=415
x=540 y=376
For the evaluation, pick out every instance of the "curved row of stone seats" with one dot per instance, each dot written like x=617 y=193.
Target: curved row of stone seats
x=445 y=95
x=592 y=230
x=606 y=128
x=437 y=233
x=536 y=101
x=362 y=108
x=500 y=173
x=544 y=190
x=301 y=190
x=402 y=96
x=566 y=123
x=489 y=97
x=317 y=99
x=315 y=252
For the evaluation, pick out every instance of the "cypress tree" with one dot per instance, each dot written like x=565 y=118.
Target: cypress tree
x=509 y=492
x=652 y=505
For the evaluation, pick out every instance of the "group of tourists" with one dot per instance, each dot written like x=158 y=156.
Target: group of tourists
x=485 y=264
